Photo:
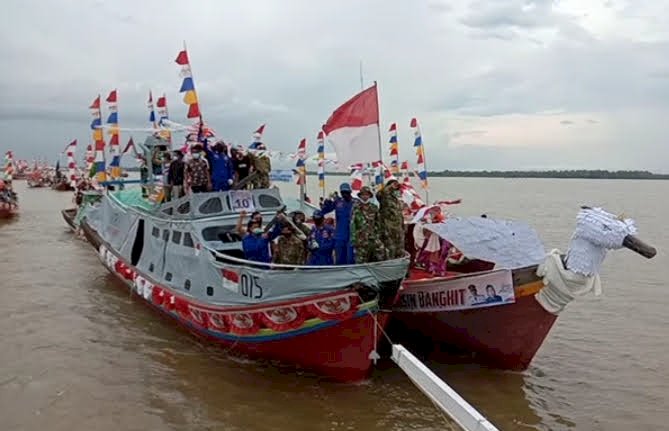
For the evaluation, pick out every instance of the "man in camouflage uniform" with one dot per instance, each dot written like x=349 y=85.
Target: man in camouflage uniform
x=261 y=167
x=365 y=225
x=391 y=219
x=290 y=249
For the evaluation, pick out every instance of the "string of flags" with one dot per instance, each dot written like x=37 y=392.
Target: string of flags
x=321 y=162
x=112 y=121
x=71 y=163
x=187 y=85
x=8 y=171
x=394 y=150
x=420 y=153
x=99 y=167
x=299 y=165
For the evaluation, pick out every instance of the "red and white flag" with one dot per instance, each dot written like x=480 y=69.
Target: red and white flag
x=230 y=280
x=353 y=129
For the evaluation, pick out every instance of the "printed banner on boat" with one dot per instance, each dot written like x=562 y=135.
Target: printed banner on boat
x=484 y=290
x=281 y=175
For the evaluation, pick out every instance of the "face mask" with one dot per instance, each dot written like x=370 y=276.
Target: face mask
x=364 y=200
x=196 y=155
x=257 y=231
x=397 y=193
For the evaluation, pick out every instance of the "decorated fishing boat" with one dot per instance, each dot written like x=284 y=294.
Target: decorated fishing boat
x=502 y=292
x=9 y=202
x=184 y=259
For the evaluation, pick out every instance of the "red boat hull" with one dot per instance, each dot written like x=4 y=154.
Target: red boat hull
x=506 y=336
x=8 y=211
x=336 y=349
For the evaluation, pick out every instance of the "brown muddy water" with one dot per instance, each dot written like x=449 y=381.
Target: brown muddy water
x=78 y=353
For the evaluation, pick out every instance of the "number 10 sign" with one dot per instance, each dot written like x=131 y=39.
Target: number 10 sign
x=241 y=200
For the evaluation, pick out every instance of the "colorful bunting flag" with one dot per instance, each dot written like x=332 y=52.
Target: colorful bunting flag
x=188 y=86
x=321 y=162
x=98 y=168
x=163 y=115
x=8 y=172
x=71 y=163
x=114 y=131
x=300 y=166
x=420 y=153
x=394 y=150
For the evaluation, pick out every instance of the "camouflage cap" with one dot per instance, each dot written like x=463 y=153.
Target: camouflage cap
x=365 y=189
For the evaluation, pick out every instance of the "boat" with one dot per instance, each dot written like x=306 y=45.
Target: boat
x=62 y=184
x=83 y=200
x=9 y=202
x=499 y=302
x=184 y=259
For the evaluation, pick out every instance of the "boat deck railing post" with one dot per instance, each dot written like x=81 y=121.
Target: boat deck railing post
x=442 y=395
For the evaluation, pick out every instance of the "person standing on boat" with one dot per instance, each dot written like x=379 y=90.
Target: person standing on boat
x=342 y=206
x=255 y=242
x=197 y=172
x=262 y=166
x=365 y=225
x=167 y=185
x=392 y=219
x=321 y=242
x=221 y=166
x=290 y=245
x=299 y=219
x=241 y=163
x=176 y=175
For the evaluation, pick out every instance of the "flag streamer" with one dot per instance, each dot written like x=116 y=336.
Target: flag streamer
x=187 y=85
x=321 y=162
x=420 y=153
x=299 y=165
x=71 y=163
x=8 y=172
x=98 y=169
x=394 y=150
x=114 y=131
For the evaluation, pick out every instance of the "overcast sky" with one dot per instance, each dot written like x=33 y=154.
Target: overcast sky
x=496 y=84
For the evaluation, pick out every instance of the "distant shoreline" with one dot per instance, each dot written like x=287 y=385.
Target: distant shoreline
x=552 y=174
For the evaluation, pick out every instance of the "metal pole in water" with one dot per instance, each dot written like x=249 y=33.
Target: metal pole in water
x=442 y=395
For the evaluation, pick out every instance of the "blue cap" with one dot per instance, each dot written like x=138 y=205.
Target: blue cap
x=317 y=214
x=345 y=187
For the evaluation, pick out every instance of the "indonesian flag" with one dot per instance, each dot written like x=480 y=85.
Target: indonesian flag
x=353 y=129
x=230 y=280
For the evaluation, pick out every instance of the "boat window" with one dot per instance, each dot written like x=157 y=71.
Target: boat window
x=151 y=267
x=169 y=211
x=188 y=240
x=176 y=237
x=220 y=233
x=168 y=276
x=187 y=284
x=184 y=208
x=268 y=201
x=166 y=235
x=211 y=206
x=210 y=291
x=155 y=232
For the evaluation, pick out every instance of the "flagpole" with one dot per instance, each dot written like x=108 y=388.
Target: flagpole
x=378 y=125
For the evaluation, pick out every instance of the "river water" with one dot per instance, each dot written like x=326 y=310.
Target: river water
x=79 y=353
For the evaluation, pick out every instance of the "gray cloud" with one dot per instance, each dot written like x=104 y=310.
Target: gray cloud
x=290 y=63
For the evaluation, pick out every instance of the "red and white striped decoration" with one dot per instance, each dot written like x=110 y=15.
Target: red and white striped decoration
x=71 y=163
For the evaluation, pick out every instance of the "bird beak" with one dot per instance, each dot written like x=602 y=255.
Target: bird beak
x=635 y=244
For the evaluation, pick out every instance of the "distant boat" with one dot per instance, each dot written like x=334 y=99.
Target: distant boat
x=9 y=201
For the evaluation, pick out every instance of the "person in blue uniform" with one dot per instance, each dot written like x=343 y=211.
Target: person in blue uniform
x=342 y=206
x=255 y=243
x=321 y=241
x=222 y=170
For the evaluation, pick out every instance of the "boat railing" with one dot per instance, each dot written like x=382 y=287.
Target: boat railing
x=264 y=265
